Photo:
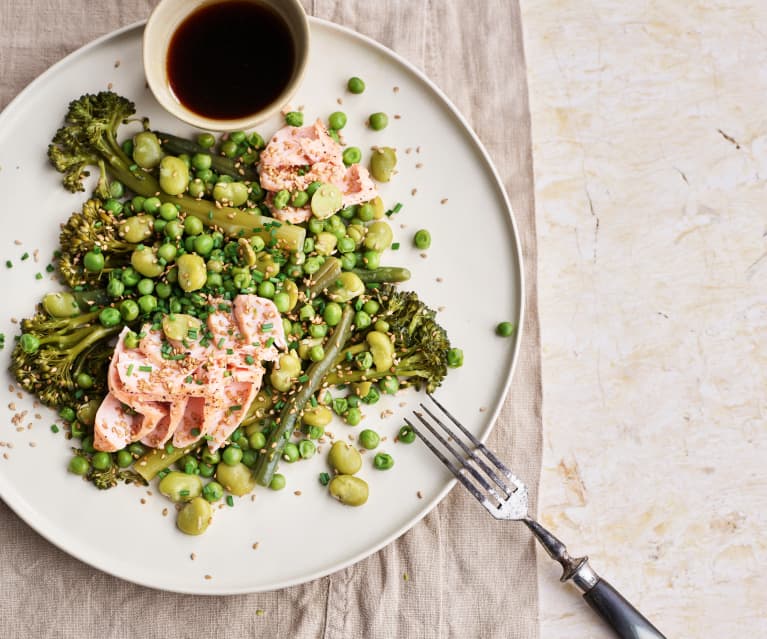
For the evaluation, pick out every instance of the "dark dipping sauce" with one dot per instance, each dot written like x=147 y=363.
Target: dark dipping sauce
x=230 y=59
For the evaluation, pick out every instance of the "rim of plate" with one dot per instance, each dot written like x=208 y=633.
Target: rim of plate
x=28 y=514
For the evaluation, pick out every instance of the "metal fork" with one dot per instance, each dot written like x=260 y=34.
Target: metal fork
x=504 y=496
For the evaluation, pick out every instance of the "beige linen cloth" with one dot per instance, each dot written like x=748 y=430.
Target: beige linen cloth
x=469 y=576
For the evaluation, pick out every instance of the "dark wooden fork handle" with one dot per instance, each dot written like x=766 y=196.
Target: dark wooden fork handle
x=625 y=620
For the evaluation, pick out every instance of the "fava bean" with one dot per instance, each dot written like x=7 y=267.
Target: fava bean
x=379 y=236
x=145 y=261
x=179 y=487
x=237 y=479
x=349 y=490
x=344 y=458
x=317 y=416
x=191 y=272
x=194 y=518
x=136 y=229
x=383 y=161
x=61 y=305
x=147 y=152
x=345 y=287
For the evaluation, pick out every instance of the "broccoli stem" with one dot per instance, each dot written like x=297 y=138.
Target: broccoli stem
x=286 y=422
x=219 y=163
x=383 y=274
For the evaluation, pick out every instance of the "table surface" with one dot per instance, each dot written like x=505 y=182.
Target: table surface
x=650 y=152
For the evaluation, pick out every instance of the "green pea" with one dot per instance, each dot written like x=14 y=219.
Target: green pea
x=229 y=148
x=61 y=305
x=379 y=236
x=371 y=307
x=389 y=384
x=294 y=118
x=84 y=380
x=115 y=288
x=355 y=85
x=130 y=277
x=197 y=188
x=383 y=161
x=188 y=464
x=152 y=205
x=332 y=313
x=213 y=491
x=231 y=455
x=203 y=245
x=179 y=487
x=365 y=212
x=147 y=304
x=79 y=466
x=406 y=435
x=67 y=413
x=372 y=396
x=109 y=317
x=344 y=458
x=210 y=457
x=422 y=239
x=129 y=310
x=312 y=265
x=257 y=440
x=93 y=261
x=351 y=155
x=362 y=320
x=266 y=289
x=346 y=245
x=256 y=141
x=159 y=225
x=101 y=460
x=351 y=491
x=318 y=330
x=381 y=326
x=307 y=448
x=238 y=137
x=378 y=121
x=147 y=152
x=383 y=461
x=317 y=353
x=174 y=230
x=455 y=358
x=124 y=458
x=363 y=360
x=369 y=439
x=191 y=272
x=281 y=199
x=87 y=445
x=145 y=286
x=315 y=432
x=312 y=188
x=282 y=302
x=144 y=260
x=194 y=518
x=201 y=161
x=206 y=140
x=325 y=243
x=206 y=470
x=278 y=482
x=505 y=329
x=167 y=252
x=193 y=225
x=290 y=453
x=337 y=120
x=299 y=199
x=168 y=211
x=113 y=206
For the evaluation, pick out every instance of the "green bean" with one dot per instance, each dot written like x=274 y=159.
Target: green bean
x=327 y=273
x=220 y=164
x=157 y=460
x=316 y=373
x=383 y=274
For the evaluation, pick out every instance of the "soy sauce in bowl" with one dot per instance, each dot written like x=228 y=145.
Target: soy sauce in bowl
x=230 y=59
x=224 y=65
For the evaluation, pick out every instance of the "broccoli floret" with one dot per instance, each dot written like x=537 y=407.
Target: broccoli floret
x=52 y=352
x=421 y=345
x=86 y=229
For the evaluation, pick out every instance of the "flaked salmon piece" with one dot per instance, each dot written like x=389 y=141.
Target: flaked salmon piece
x=358 y=186
x=221 y=421
x=167 y=425
x=154 y=341
x=259 y=322
x=113 y=425
x=189 y=429
x=297 y=156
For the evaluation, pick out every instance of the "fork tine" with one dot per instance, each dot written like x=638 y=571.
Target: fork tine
x=480 y=462
x=451 y=467
x=458 y=456
x=500 y=465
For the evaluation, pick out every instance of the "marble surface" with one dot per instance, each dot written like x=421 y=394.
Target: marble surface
x=650 y=151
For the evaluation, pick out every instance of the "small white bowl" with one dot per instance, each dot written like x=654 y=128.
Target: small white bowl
x=162 y=24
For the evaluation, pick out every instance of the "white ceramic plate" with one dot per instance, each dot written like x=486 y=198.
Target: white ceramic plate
x=472 y=273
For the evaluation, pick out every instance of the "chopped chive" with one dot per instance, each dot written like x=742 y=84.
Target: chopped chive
x=303 y=378
x=129 y=372
x=54 y=428
x=25 y=256
x=230 y=351
x=324 y=479
x=267 y=327
x=189 y=379
x=38 y=276
x=235 y=407
x=220 y=342
x=313 y=401
x=145 y=369
x=249 y=360
x=229 y=501
x=8 y=264
x=195 y=432
x=50 y=268
x=395 y=246
x=269 y=342
x=183 y=493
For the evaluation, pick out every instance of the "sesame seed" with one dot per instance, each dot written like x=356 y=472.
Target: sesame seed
x=255 y=546
x=143 y=501
x=443 y=200
x=419 y=494
x=396 y=89
x=193 y=556
x=164 y=512
x=208 y=577
x=32 y=444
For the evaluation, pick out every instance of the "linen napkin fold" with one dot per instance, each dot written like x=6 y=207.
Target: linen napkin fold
x=458 y=573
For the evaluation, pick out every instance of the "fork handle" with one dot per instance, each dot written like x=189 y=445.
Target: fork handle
x=624 y=620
